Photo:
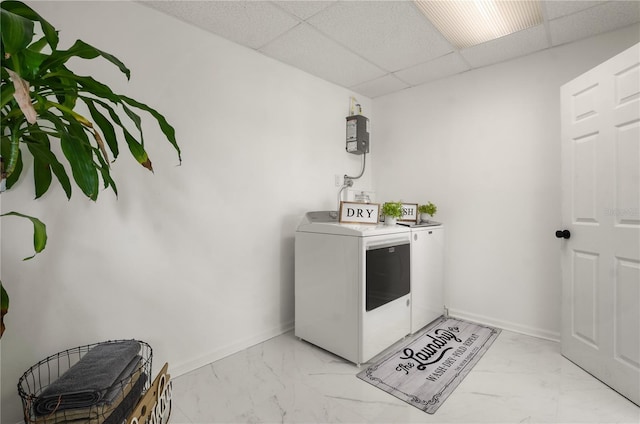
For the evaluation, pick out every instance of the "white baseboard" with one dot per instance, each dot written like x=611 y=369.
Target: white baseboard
x=188 y=366
x=230 y=349
x=506 y=325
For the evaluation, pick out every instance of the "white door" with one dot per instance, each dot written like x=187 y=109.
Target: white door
x=601 y=210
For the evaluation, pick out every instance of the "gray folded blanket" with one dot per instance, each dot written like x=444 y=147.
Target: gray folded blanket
x=87 y=383
x=104 y=413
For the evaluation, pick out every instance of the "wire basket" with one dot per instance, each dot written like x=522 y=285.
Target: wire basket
x=109 y=406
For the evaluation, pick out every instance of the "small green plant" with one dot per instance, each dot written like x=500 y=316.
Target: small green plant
x=392 y=209
x=429 y=209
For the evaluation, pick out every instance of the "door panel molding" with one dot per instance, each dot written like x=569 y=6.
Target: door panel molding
x=600 y=117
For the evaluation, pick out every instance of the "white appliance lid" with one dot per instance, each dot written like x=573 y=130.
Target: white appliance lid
x=325 y=223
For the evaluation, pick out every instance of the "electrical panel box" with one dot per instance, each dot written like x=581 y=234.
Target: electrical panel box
x=357 y=134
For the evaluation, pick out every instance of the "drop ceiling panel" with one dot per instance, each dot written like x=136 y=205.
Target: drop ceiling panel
x=593 y=21
x=251 y=24
x=391 y=34
x=559 y=8
x=305 y=9
x=381 y=46
x=380 y=86
x=306 y=48
x=449 y=64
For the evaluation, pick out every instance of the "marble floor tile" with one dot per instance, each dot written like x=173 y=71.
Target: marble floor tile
x=287 y=380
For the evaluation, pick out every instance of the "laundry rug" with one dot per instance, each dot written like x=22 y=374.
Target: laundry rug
x=427 y=369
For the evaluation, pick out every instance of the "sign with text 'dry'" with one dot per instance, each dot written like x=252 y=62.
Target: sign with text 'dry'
x=359 y=213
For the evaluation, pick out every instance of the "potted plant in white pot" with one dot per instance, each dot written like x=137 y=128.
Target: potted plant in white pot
x=392 y=211
x=427 y=211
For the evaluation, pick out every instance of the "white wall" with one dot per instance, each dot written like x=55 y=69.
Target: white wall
x=181 y=261
x=197 y=260
x=485 y=147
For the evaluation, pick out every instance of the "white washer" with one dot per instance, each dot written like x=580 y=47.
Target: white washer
x=427 y=274
x=333 y=308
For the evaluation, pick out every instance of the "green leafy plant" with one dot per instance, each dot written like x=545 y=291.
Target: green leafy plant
x=392 y=209
x=429 y=209
x=43 y=102
x=4 y=307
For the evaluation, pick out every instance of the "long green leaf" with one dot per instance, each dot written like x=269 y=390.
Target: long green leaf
x=135 y=118
x=5 y=149
x=19 y=8
x=135 y=147
x=84 y=51
x=78 y=133
x=96 y=88
x=31 y=61
x=62 y=77
x=17 y=171
x=4 y=299
x=76 y=148
x=104 y=169
x=138 y=152
x=108 y=181
x=11 y=150
x=40 y=148
x=6 y=94
x=39 y=232
x=65 y=89
x=38 y=45
x=17 y=32
x=41 y=174
x=166 y=128
x=58 y=87
x=105 y=126
x=56 y=167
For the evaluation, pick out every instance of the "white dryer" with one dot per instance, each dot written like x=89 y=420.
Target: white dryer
x=352 y=285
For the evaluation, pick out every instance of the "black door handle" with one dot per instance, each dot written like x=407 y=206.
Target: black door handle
x=565 y=234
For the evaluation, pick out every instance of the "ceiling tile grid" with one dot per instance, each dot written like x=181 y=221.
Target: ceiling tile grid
x=593 y=21
x=306 y=48
x=379 y=47
x=305 y=9
x=443 y=66
x=558 y=9
x=380 y=86
x=251 y=24
x=391 y=34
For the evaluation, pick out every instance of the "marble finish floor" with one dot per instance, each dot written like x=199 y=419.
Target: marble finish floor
x=520 y=379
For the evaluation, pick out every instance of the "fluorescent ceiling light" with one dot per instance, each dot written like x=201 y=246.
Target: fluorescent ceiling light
x=471 y=22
